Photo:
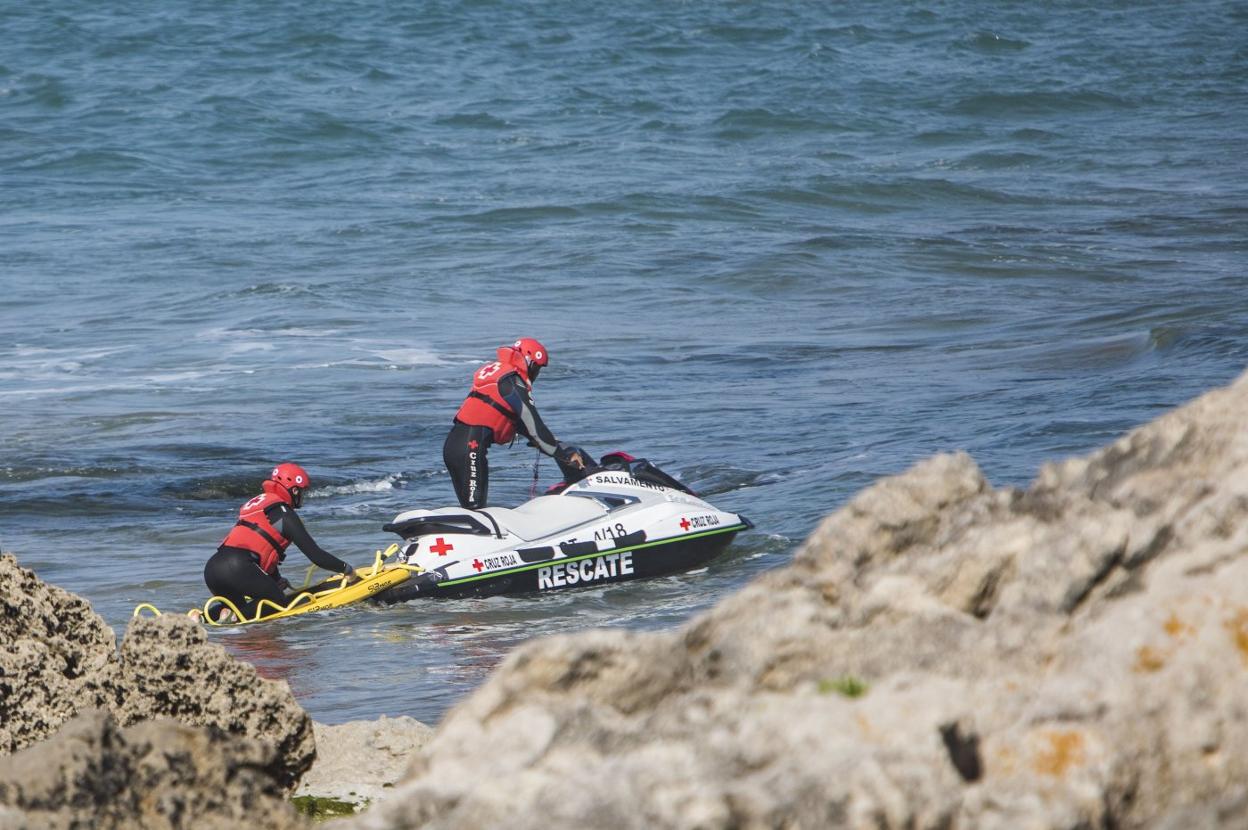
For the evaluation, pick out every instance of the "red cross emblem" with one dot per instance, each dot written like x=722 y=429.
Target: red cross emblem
x=684 y=523
x=476 y=563
x=441 y=547
x=472 y=445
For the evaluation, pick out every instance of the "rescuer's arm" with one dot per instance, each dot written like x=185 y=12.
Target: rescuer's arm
x=288 y=523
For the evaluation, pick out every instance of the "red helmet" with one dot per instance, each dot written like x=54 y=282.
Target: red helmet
x=535 y=354
x=293 y=478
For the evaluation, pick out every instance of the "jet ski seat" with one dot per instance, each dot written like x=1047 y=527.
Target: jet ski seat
x=544 y=516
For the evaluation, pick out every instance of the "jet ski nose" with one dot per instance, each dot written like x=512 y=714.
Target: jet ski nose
x=424 y=583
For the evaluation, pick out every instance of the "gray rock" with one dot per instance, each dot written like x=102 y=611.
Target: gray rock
x=56 y=657
x=156 y=775
x=169 y=669
x=361 y=761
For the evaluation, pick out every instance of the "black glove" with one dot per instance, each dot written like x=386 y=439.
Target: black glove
x=570 y=455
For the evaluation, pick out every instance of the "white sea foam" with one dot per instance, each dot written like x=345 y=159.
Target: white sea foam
x=173 y=377
x=409 y=357
x=74 y=389
x=38 y=359
x=252 y=346
x=78 y=383
x=386 y=483
x=369 y=355
x=36 y=393
x=219 y=333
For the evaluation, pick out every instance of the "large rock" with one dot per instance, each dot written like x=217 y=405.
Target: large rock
x=939 y=654
x=169 y=669
x=56 y=657
x=361 y=761
x=156 y=775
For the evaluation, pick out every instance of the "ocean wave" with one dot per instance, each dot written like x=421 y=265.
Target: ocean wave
x=391 y=481
x=990 y=43
x=215 y=488
x=883 y=195
x=236 y=486
x=21 y=474
x=45 y=359
x=226 y=334
x=853 y=34
x=476 y=120
x=86 y=162
x=269 y=288
x=995 y=160
x=1036 y=103
x=1074 y=355
x=515 y=216
x=41 y=90
x=382 y=358
x=747 y=34
x=69 y=378
x=742 y=123
x=410 y=357
x=313 y=127
x=1223 y=342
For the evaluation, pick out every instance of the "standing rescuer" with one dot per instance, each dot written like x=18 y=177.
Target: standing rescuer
x=499 y=405
x=244 y=568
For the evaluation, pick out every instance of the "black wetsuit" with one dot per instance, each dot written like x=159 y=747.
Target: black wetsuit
x=465 y=449
x=234 y=573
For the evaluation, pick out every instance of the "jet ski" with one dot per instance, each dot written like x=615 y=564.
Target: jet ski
x=625 y=519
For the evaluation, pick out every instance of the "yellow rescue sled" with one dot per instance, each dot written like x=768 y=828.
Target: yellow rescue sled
x=320 y=597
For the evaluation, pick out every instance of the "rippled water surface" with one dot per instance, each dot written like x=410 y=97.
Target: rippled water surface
x=780 y=248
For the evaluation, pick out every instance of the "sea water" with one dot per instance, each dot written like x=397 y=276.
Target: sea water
x=782 y=249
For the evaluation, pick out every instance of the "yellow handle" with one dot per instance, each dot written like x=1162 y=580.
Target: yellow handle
x=381 y=558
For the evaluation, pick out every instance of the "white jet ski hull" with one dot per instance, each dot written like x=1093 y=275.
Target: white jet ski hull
x=625 y=522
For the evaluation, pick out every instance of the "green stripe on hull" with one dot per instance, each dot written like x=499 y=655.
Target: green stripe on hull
x=595 y=555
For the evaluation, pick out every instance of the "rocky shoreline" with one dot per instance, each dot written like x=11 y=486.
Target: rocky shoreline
x=939 y=654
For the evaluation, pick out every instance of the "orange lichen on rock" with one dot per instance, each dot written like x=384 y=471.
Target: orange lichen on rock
x=1064 y=750
x=1176 y=628
x=1237 y=626
x=1149 y=659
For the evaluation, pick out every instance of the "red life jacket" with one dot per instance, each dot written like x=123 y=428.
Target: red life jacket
x=255 y=533
x=484 y=406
